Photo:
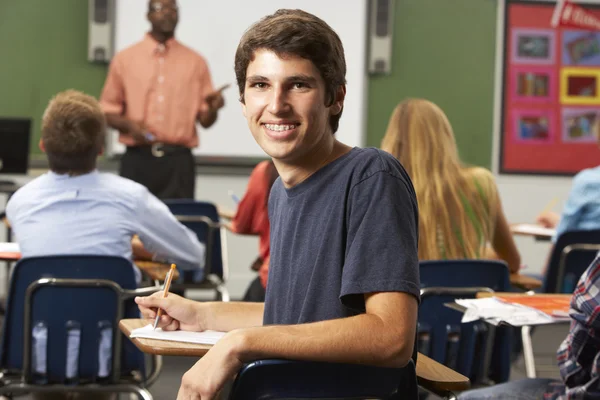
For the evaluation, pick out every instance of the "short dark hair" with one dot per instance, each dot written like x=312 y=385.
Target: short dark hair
x=73 y=132
x=298 y=33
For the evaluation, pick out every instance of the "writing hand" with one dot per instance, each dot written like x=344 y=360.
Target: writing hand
x=178 y=312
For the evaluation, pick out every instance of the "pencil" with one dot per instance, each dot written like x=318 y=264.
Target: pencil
x=550 y=205
x=165 y=292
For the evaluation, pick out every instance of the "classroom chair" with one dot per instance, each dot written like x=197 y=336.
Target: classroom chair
x=572 y=253
x=203 y=219
x=285 y=379
x=475 y=349
x=60 y=311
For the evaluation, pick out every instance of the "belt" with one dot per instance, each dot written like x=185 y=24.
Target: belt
x=159 y=149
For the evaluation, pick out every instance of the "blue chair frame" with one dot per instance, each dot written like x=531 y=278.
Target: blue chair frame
x=444 y=338
x=63 y=289
x=281 y=379
x=203 y=219
x=572 y=253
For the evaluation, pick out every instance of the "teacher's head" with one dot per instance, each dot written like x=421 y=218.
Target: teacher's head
x=163 y=16
x=73 y=133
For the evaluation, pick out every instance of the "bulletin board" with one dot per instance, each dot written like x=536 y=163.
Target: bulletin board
x=550 y=93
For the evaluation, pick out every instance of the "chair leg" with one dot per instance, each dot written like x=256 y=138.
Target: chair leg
x=222 y=293
x=528 y=351
x=143 y=394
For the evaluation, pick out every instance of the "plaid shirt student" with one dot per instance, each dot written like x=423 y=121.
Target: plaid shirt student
x=579 y=354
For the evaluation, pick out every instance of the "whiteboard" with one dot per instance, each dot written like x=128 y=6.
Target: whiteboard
x=214 y=30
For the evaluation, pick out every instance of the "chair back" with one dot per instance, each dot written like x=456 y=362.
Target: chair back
x=61 y=315
x=572 y=253
x=209 y=235
x=284 y=379
x=443 y=337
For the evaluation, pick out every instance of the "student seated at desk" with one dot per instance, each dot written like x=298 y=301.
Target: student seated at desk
x=582 y=209
x=460 y=212
x=252 y=217
x=343 y=273
x=74 y=209
x=578 y=356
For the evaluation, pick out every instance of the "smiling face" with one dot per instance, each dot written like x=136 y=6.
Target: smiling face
x=284 y=104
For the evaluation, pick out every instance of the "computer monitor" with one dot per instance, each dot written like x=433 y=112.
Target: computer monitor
x=15 y=135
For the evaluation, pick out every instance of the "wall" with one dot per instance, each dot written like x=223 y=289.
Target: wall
x=44 y=51
x=444 y=52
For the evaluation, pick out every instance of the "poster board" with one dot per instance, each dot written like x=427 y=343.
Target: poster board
x=550 y=92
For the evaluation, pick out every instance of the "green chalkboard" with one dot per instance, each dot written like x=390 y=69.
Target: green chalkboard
x=444 y=51
x=44 y=50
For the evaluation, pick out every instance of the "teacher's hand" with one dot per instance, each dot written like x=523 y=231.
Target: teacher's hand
x=139 y=132
x=215 y=100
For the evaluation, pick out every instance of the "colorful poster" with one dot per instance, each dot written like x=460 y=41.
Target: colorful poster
x=551 y=92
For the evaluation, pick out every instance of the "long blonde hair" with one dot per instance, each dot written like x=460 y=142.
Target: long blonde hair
x=456 y=206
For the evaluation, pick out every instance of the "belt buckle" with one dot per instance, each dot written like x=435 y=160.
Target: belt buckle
x=157 y=150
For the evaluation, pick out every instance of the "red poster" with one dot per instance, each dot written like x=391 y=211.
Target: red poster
x=551 y=89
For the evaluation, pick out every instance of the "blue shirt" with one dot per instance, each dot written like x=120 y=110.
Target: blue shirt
x=582 y=210
x=98 y=213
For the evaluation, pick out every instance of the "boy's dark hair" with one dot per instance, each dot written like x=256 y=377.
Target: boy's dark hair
x=298 y=33
x=73 y=132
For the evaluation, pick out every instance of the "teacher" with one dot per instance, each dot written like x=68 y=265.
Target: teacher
x=155 y=92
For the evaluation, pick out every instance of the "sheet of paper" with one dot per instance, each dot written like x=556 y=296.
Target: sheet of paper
x=206 y=337
x=9 y=247
x=495 y=311
x=531 y=229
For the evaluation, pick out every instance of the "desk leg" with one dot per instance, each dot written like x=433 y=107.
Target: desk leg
x=528 y=351
x=489 y=349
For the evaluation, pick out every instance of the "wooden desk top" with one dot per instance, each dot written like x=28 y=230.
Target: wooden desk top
x=513 y=294
x=536 y=231
x=525 y=282
x=432 y=373
x=155 y=270
x=160 y=347
x=10 y=256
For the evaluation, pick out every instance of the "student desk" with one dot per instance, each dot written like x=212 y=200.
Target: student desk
x=533 y=230
x=526 y=329
x=430 y=373
x=155 y=270
x=525 y=282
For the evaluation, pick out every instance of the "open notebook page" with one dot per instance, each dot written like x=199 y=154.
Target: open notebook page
x=9 y=247
x=206 y=337
x=531 y=229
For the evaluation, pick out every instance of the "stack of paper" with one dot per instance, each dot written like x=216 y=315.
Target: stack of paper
x=9 y=247
x=531 y=229
x=206 y=337
x=494 y=311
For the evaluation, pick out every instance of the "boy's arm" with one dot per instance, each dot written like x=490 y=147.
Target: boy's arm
x=165 y=237
x=383 y=336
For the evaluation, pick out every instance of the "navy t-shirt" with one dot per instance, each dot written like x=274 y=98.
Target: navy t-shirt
x=351 y=228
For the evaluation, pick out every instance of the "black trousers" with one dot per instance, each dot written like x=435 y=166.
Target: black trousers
x=167 y=171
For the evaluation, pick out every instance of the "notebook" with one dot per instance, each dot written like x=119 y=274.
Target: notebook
x=206 y=337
